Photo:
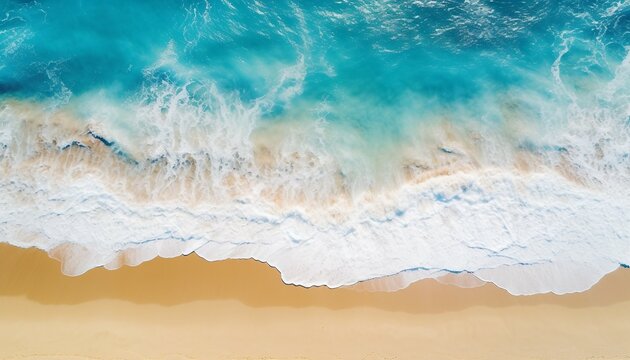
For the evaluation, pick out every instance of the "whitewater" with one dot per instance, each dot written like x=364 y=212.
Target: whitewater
x=468 y=141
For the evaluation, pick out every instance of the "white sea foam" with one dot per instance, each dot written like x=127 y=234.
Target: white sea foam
x=532 y=207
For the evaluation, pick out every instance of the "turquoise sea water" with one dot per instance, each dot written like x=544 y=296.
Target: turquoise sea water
x=366 y=60
x=314 y=108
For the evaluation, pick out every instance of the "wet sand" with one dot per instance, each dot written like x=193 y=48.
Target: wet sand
x=188 y=308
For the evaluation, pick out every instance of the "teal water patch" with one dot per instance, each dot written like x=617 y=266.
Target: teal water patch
x=373 y=65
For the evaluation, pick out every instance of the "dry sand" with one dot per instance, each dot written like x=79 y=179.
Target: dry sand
x=187 y=308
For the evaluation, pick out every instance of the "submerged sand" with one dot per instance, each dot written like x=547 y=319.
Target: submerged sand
x=188 y=308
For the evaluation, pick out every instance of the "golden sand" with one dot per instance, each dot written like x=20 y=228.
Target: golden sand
x=187 y=308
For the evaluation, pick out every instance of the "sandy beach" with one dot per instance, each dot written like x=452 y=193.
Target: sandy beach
x=188 y=308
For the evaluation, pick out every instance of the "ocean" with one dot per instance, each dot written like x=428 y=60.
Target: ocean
x=337 y=141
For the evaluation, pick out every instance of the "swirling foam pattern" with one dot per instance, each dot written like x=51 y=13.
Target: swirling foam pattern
x=337 y=141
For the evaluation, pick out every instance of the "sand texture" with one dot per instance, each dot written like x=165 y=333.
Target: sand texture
x=188 y=308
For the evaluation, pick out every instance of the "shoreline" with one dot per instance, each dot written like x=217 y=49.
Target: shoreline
x=188 y=308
